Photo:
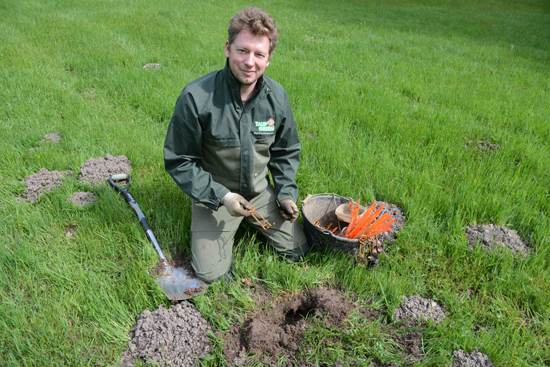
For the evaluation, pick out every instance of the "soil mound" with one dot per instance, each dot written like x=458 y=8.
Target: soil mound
x=492 y=237
x=48 y=138
x=472 y=359
x=97 y=171
x=277 y=331
x=43 y=181
x=397 y=213
x=51 y=137
x=82 y=198
x=169 y=337
x=420 y=309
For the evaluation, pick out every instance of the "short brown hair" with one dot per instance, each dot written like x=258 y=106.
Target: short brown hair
x=257 y=22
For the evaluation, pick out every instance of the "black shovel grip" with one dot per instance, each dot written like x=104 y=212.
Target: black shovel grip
x=113 y=180
x=126 y=177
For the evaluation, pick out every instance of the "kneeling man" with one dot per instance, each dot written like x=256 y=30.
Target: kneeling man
x=229 y=130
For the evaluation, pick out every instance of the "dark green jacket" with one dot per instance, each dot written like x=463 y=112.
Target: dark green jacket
x=214 y=145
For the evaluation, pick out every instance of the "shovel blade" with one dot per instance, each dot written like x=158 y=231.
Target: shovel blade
x=178 y=284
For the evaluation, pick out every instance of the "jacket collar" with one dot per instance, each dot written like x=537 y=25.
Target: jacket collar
x=236 y=85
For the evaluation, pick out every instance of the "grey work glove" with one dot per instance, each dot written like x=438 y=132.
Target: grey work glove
x=236 y=205
x=289 y=210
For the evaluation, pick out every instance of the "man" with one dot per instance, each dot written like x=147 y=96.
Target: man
x=230 y=129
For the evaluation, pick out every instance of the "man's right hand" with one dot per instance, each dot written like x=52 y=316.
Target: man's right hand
x=236 y=205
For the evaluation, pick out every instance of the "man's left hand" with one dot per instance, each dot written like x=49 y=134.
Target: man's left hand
x=289 y=210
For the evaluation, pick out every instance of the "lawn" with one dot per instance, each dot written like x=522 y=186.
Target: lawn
x=390 y=98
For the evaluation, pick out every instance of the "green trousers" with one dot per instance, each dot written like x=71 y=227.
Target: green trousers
x=212 y=235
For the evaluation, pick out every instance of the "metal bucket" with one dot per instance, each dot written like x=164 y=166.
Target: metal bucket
x=321 y=207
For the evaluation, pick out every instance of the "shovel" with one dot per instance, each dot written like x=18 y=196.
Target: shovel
x=177 y=283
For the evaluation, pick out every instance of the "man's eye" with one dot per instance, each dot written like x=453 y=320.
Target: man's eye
x=260 y=55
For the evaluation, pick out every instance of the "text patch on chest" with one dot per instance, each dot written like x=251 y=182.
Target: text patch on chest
x=266 y=126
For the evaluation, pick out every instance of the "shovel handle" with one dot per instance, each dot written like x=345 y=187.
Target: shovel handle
x=141 y=217
x=113 y=180
x=129 y=198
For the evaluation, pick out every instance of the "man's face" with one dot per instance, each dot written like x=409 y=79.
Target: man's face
x=248 y=57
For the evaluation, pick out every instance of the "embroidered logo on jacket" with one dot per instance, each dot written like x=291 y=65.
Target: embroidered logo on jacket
x=268 y=125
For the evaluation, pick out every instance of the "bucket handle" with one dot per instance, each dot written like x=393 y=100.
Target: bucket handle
x=309 y=196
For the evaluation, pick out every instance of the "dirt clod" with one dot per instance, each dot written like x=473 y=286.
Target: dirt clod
x=160 y=269
x=82 y=198
x=472 y=359
x=43 y=181
x=169 y=337
x=492 y=237
x=97 y=171
x=420 y=309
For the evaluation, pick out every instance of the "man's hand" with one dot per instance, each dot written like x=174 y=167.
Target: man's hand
x=289 y=210
x=236 y=205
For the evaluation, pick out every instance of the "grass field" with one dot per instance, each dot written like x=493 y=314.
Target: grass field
x=386 y=95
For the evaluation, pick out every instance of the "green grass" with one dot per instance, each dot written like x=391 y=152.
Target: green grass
x=386 y=95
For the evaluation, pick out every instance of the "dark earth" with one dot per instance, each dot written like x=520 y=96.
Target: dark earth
x=277 y=327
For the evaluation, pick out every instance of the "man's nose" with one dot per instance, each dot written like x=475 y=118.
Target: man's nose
x=249 y=59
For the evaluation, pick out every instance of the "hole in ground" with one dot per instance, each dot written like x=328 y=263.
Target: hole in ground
x=292 y=317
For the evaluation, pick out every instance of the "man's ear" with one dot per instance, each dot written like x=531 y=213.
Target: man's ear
x=227 y=48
